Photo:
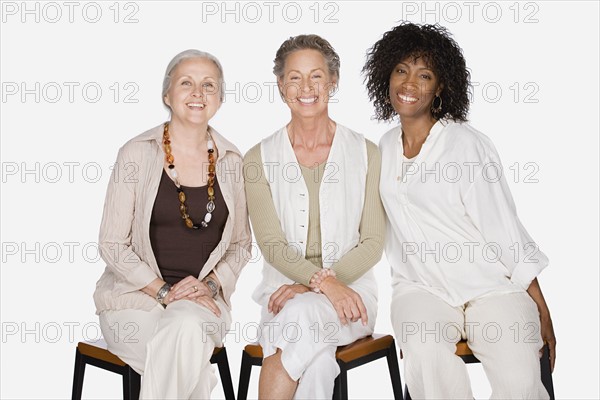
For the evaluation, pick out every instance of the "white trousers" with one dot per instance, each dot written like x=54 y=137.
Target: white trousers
x=503 y=331
x=170 y=347
x=308 y=332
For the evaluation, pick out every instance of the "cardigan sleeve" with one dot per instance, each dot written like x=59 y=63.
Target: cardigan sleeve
x=369 y=250
x=115 y=243
x=267 y=227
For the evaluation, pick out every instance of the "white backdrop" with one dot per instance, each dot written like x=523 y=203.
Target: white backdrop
x=81 y=78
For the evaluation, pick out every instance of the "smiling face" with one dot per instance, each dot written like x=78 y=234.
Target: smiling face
x=306 y=83
x=413 y=86
x=194 y=96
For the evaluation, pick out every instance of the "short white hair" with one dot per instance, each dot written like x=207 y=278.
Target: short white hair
x=184 y=55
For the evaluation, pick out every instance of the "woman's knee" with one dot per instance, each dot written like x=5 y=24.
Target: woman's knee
x=189 y=322
x=306 y=302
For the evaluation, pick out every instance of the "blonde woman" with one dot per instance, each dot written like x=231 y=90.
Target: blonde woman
x=174 y=236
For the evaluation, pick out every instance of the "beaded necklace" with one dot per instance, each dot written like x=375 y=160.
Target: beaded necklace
x=183 y=209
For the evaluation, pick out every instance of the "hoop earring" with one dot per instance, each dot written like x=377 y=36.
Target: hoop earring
x=436 y=109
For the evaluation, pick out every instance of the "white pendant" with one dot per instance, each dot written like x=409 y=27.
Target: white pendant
x=173 y=173
x=207 y=217
x=210 y=144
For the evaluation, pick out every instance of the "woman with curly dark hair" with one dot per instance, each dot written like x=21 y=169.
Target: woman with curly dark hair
x=463 y=266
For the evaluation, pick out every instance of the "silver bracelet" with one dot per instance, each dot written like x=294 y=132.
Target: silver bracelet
x=162 y=293
x=212 y=285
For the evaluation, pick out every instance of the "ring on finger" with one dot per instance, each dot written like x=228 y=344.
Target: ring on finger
x=195 y=289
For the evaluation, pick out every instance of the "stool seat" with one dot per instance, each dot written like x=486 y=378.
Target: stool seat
x=464 y=352
x=462 y=349
x=99 y=350
x=97 y=354
x=350 y=356
x=364 y=347
x=347 y=353
x=254 y=350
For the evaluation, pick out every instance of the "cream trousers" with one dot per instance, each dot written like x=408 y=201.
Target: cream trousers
x=503 y=331
x=308 y=332
x=170 y=347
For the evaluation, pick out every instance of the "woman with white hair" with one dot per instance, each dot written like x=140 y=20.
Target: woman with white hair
x=174 y=236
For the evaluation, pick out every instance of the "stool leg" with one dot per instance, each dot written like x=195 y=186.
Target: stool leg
x=394 y=368
x=340 y=388
x=245 y=371
x=131 y=384
x=225 y=373
x=546 y=374
x=78 y=376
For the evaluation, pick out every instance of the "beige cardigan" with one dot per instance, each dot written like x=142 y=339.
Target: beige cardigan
x=124 y=232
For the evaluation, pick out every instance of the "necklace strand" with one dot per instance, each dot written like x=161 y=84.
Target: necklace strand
x=183 y=208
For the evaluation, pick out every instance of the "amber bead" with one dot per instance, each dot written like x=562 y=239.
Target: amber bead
x=170 y=159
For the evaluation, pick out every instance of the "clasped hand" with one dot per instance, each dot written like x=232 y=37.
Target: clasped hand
x=347 y=303
x=190 y=288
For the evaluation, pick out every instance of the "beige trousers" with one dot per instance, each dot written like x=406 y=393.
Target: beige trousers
x=503 y=331
x=170 y=347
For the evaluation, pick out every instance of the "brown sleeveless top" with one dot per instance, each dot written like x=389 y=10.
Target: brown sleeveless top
x=179 y=250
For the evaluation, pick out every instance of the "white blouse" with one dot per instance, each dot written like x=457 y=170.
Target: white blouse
x=452 y=223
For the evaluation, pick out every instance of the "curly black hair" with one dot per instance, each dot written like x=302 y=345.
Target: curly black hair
x=439 y=51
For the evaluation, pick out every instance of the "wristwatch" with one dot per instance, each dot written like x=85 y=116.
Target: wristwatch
x=162 y=293
x=212 y=285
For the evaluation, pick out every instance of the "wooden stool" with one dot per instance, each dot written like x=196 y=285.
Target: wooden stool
x=351 y=356
x=464 y=352
x=96 y=353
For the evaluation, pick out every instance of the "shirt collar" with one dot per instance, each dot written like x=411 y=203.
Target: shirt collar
x=223 y=145
x=435 y=130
